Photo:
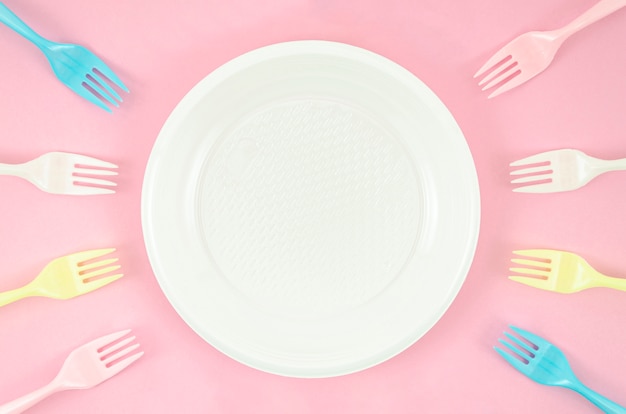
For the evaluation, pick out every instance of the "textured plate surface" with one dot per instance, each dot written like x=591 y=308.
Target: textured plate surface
x=310 y=209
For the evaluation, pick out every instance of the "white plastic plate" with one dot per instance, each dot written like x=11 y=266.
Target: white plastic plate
x=310 y=209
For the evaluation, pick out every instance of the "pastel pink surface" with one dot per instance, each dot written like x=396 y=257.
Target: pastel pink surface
x=161 y=49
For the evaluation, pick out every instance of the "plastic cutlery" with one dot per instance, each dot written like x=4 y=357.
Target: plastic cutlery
x=65 y=173
x=560 y=271
x=531 y=53
x=544 y=363
x=560 y=170
x=86 y=367
x=69 y=276
x=75 y=66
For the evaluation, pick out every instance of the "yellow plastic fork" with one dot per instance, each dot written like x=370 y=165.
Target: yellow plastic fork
x=560 y=271
x=69 y=276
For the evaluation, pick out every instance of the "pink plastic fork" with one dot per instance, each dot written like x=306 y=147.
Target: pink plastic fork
x=531 y=53
x=86 y=367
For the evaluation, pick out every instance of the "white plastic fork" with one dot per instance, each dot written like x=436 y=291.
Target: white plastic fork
x=86 y=367
x=531 y=53
x=560 y=170
x=65 y=173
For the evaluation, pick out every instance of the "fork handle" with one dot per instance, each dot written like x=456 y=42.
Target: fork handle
x=600 y=401
x=12 y=169
x=601 y=9
x=24 y=402
x=15 y=295
x=610 y=165
x=616 y=283
x=10 y=19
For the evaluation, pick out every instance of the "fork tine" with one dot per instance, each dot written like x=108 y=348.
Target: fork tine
x=507 y=74
x=523 y=345
x=530 y=337
x=532 y=170
x=118 y=366
x=108 y=339
x=90 y=171
x=510 y=84
x=92 y=285
x=530 y=262
x=91 y=161
x=87 y=94
x=112 y=358
x=90 y=254
x=530 y=272
x=107 y=72
x=90 y=274
x=531 y=281
x=497 y=75
x=540 y=254
x=109 y=351
x=498 y=59
x=101 y=263
x=85 y=190
x=547 y=187
x=532 y=178
x=519 y=365
x=93 y=181
x=100 y=91
x=100 y=79
x=533 y=159
x=99 y=272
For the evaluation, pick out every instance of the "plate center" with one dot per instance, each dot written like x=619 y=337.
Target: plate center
x=308 y=207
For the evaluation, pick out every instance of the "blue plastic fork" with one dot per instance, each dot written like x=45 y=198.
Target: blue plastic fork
x=78 y=68
x=544 y=363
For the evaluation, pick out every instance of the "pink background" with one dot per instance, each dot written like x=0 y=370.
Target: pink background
x=161 y=49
